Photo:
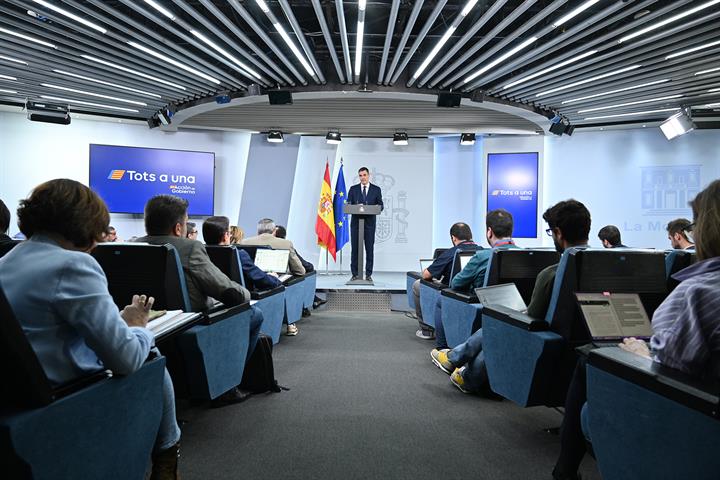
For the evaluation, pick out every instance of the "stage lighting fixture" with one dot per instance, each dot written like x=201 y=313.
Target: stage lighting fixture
x=449 y=100
x=47 y=113
x=153 y=122
x=676 y=125
x=164 y=117
x=222 y=98
x=400 y=138
x=557 y=128
x=275 y=136
x=333 y=138
x=467 y=139
x=280 y=97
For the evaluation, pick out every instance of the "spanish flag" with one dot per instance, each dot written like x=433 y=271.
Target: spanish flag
x=325 y=223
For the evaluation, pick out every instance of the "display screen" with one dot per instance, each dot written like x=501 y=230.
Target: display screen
x=512 y=184
x=127 y=177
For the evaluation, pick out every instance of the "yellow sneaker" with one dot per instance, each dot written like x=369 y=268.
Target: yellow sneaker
x=440 y=358
x=457 y=379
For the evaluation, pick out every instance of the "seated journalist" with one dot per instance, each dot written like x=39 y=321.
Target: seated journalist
x=165 y=223
x=569 y=223
x=72 y=323
x=686 y=327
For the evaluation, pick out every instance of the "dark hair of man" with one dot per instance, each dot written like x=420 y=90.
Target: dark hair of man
x=610 y=233
x=214 y=228
x=501 y=222
x=461 y=231
x=67 y=208
x=163 y=212
x=190 y=226
x=280 y=231
x=4 y=217
x=572 y=218
x=110 y=229
x=363 y=169
x=706 y=212
x=679 y=225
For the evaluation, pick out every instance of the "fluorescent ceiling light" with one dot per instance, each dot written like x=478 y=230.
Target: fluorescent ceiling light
x=574 y=13
x=468 y=7
x=263 y=6
x=713 y=105
x=579 y=99
x=2 y=90
x=14 y=60
x=89 y=104
x=294 y=48
x=702 y=72
x=81 y=77
x=668 y=20
x=608 y=107
x=134 y=72
x=172 y=61
x=434 y=51
x=71 y=15
x=359 y=46
x=82 y=92
x=161 y=9
x=694 y=49
x=550 y=69
x=247 y=71
x=8 y=77
x=646 y=112
x=714 y=90
x=588 y=80
x=502 y=58
x=27 y=37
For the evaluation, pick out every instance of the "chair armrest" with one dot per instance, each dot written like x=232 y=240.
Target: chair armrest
x=700 y=395
x=415 y=275
x=465 y=297
x=224 y=313
x=515 y=318
x=260 y=294
x=434 y=285
x=294 y=280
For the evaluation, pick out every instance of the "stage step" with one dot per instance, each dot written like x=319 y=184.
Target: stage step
x=349 y=301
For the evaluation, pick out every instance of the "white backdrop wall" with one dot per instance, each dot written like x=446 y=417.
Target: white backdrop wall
x=32 y=153
x=634 y=179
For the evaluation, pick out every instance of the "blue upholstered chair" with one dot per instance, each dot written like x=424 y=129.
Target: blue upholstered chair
x=649 y=421
x=96 y=427
x=5 y=247
x=676 y=260
x=205 y=360
x=294 y=299
x=310 y=285
x=461 y=312
x=413 y=276
x=529 y=360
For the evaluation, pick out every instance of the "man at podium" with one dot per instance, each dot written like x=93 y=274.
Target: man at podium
x=363 y=193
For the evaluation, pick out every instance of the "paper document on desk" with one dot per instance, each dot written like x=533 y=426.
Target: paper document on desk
x=172 y=319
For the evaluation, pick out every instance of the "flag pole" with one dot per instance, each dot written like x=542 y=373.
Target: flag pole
x=327 y=262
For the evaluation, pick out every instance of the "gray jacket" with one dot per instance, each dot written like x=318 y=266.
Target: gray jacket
x=202 y=277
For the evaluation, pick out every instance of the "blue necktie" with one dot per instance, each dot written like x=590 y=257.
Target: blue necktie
x=364 y=193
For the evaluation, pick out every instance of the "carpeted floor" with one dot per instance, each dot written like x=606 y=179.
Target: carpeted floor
x=366 y=402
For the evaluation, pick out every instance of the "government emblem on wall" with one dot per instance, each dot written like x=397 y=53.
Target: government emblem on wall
x=392 y=222
x=667 y=190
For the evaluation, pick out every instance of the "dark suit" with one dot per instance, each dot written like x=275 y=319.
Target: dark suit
x=256 y=279
x=355 y=197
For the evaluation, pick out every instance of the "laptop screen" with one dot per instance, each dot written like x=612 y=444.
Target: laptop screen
x=505 y=295
x=465 y=258
x=272 y=260
x=425 y=263
x=611 y=316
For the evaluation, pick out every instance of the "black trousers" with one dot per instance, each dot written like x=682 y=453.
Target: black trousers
x=572 y=441
x=369 y=239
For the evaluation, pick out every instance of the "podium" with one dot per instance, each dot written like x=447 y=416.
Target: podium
x=361 y=211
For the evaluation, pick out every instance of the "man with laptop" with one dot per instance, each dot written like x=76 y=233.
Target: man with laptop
x=569 y=223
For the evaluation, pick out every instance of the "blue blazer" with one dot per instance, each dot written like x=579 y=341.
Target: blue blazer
x=255 y=279
x=374 y=197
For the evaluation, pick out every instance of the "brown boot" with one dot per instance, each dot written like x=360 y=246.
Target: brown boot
x=165 y=464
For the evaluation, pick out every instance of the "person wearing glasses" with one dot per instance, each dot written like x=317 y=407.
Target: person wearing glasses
x=569 y=223
x=192 y=231
x=678 y=234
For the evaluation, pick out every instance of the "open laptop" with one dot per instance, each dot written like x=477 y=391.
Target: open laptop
x=274 y=261
x=425 y=263
x=505 y=295
x=610 y=317
x=465 y=258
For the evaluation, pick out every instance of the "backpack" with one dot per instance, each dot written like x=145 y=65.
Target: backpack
x=259 y=374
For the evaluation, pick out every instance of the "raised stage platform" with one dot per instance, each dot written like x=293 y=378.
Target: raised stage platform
x=387 y=294
x=390 y=282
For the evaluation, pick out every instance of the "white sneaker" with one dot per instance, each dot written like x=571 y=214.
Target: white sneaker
x=292 y=330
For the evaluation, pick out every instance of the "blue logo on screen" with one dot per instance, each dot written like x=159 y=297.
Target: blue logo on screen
x=126 y=177
x=512 y=185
